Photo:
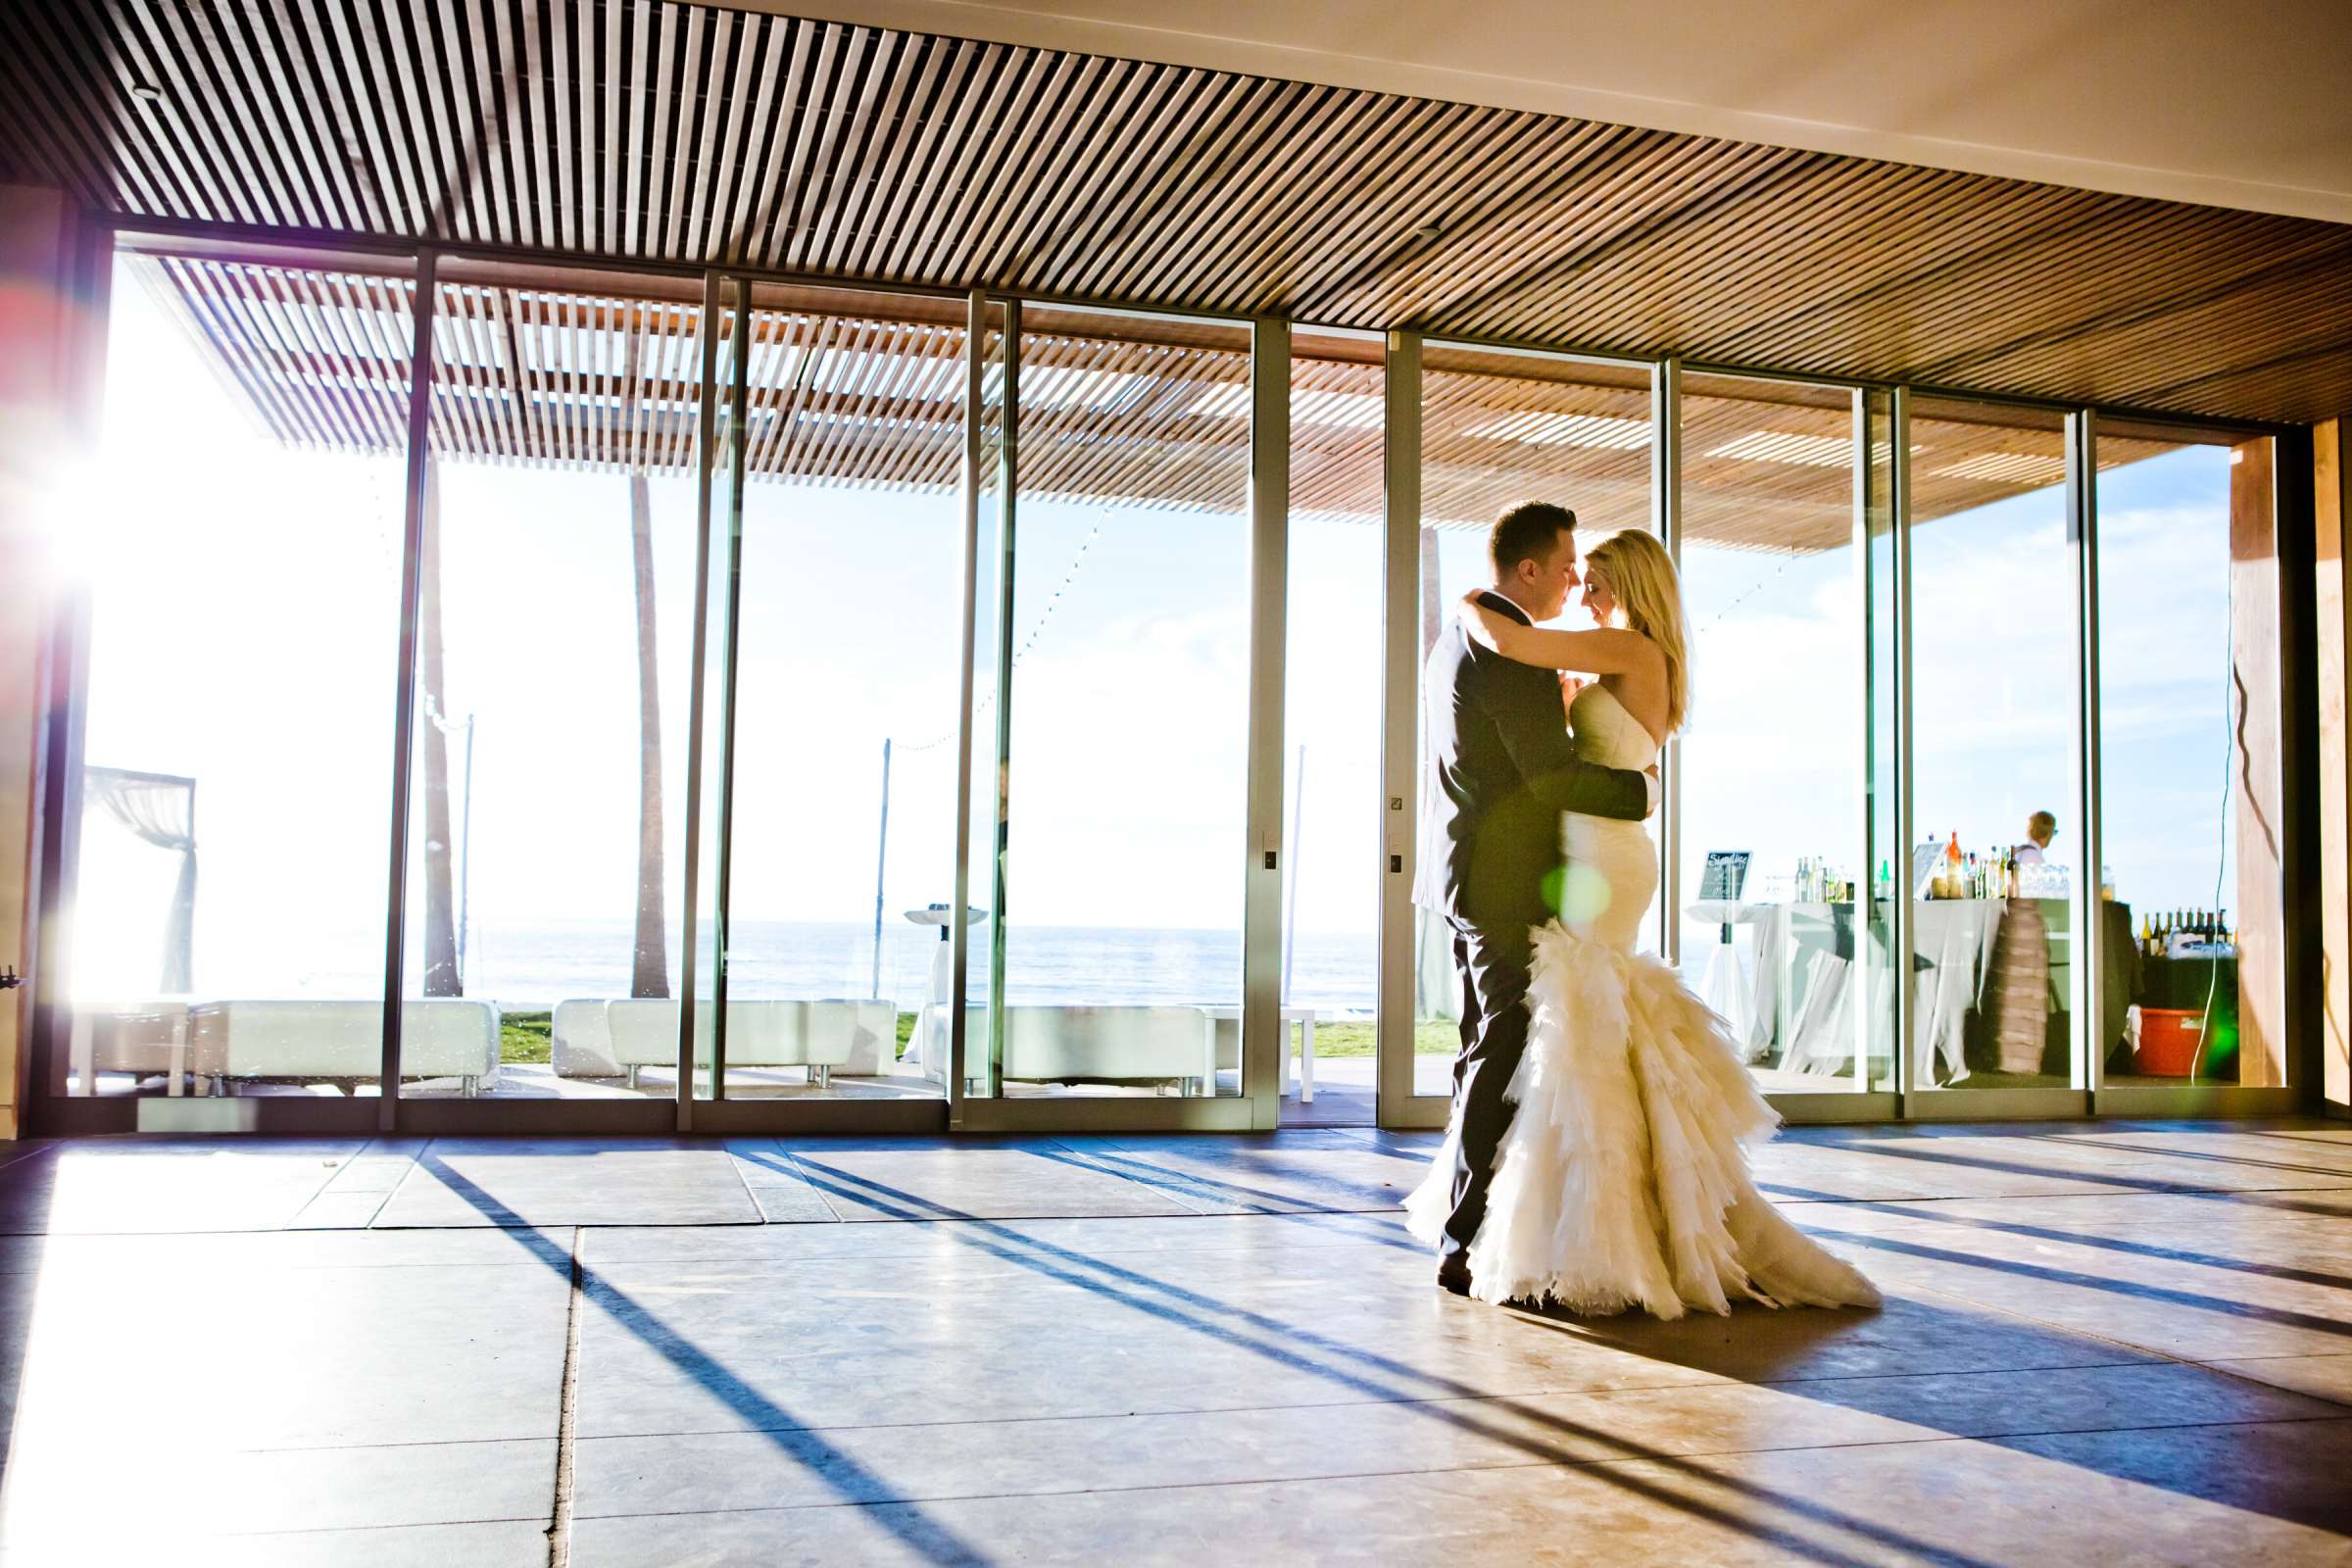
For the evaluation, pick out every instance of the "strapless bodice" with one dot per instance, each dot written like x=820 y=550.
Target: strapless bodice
x=1606 y=734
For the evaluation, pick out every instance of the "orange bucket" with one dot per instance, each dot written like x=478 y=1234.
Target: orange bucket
x=2169 y=1040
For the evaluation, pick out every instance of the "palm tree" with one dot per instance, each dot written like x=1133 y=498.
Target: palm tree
x=648 y=969
x=648 y=975
x=441 y=974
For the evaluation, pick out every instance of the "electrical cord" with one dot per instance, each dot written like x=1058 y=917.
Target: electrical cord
x=2213 y=983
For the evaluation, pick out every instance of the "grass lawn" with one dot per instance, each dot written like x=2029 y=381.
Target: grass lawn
x=525 y=1038
x=1353 y=1038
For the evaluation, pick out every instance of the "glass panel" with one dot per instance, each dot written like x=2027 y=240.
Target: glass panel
x=1332 y=716
x=848 y=690
x=1771 y=768
x=554 y=655
x=1882 y=959
x=984 y=955
x=719 y=553
x=1122 y=708
x=2185 y=609
x=1994 y=638
x=1498 y=427
x=244 y=542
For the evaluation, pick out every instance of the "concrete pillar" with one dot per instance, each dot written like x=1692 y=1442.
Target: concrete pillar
x=44 y=371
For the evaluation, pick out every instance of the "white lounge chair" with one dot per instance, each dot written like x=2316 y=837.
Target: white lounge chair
x=342 y=1041
x=874 y=1038
x=580 y=1041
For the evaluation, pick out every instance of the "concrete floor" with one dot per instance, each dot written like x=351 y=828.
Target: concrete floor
x=2113 y=1344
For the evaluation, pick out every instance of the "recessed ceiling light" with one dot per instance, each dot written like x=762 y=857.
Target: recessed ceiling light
x=147 y=92
x=1428 y=232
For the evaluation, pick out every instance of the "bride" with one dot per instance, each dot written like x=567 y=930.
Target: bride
x=1621 y=1180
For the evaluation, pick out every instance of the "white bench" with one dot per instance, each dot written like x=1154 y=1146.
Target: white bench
x=580 y=1037
x=139 y=1038
x=343 y=1041
x=819 y=1035
x=1095 y=1044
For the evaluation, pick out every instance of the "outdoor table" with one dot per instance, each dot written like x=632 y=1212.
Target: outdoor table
x=1796 y=1009
x=1304 y=1018
x=1788 y=1010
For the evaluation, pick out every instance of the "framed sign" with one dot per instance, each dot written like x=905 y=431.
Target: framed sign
x=1726 y=875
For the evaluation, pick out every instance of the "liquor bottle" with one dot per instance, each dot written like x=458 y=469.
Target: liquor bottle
x=2147 y=936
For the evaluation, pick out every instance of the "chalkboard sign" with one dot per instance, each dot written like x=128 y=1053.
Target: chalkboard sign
x=1726 y=875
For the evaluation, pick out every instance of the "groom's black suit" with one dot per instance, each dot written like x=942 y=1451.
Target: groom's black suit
x=1500 y=770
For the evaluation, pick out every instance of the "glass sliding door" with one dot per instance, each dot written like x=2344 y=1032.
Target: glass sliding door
x=1886 y=954
x=847 y=684
x=1498 y=427
x=240 y=533
x=2188 y=644
x=1771 y=782
x=1996 y=876
x=1117 y=702
x=1331 y=716
x=718 y=562
x=554 y=660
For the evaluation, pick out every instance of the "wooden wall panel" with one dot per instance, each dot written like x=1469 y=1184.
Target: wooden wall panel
x=38 y=326
x=2259 y=799
x=2332 y=511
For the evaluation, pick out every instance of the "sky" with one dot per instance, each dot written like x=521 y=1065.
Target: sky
x=245 y=635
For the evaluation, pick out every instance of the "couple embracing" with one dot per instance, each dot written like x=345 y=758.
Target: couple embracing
x=1596 y=1154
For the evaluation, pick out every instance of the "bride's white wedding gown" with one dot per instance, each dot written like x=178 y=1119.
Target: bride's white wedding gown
x=1622 y=1180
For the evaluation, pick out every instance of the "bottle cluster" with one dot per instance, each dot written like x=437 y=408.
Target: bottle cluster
x=1959 y=874
x=2178 y=932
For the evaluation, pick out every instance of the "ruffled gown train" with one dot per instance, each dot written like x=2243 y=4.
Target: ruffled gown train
x=1622 y=1180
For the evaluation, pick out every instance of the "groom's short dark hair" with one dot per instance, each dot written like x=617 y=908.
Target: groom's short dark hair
x=1526 y=533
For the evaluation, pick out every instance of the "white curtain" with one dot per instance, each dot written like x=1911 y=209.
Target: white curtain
x=161 y=809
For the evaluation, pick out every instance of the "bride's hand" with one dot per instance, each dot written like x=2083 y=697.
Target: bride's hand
x=1483 y=624
x=1570 y=685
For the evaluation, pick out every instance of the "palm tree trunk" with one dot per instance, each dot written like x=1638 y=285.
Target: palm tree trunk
x=441 y=976
x=650 y=974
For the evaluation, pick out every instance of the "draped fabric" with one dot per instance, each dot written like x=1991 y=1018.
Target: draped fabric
x=159 y=808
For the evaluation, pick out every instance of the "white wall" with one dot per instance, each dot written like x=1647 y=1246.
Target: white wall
x=2234 y=105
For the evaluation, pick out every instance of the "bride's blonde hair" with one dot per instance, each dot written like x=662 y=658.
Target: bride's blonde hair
x=1649 y=599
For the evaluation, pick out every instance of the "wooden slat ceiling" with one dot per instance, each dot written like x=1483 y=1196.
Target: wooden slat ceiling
x=839 y=393
x=698 y=134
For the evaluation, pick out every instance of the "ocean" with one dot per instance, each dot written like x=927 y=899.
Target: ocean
x=525 y=966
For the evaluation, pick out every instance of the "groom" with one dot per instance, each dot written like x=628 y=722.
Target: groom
x=1500 y=770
